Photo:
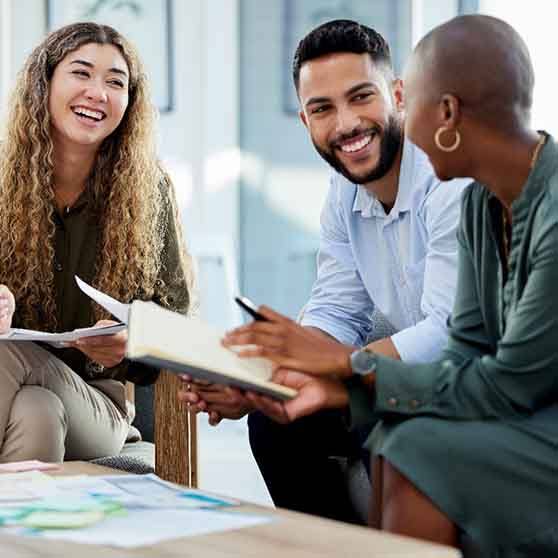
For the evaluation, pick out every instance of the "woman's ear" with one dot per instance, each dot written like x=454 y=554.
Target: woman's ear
x=450 y=110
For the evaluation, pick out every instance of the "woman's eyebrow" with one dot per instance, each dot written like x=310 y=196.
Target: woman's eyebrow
x=91 y=65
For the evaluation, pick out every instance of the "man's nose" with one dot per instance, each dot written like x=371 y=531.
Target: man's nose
x=347 y=120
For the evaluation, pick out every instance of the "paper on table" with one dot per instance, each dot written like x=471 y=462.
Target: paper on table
x=117 y=309
x=138 y=495
x=151 y=491
x=32 y=465
x=56 y=520
x=135 y=491
x=143 y=527
x=18 y=488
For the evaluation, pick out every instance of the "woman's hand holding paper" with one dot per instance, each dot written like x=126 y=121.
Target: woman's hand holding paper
x=108 y=350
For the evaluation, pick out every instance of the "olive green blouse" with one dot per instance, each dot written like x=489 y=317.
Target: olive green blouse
x=76 y=238
x=502 y=356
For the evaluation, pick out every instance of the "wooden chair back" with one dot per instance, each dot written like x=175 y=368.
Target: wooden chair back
x=176 y=456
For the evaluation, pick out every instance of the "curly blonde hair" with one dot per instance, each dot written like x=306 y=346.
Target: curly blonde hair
x=127 y=186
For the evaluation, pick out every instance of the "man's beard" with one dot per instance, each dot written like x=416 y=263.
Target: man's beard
x=391 y=139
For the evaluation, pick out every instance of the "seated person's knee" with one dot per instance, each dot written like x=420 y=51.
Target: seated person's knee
x=36 y=428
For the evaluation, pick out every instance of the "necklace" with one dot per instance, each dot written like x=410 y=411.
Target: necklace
x=537 y=150
x=66 y=202
x=505 y=228
x=505 y=236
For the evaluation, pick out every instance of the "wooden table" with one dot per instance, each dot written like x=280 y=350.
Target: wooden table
x=294 y=535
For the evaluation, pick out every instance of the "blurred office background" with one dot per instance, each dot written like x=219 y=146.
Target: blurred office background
x=249 y=182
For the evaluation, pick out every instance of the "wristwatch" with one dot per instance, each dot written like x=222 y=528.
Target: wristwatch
x=363 y=362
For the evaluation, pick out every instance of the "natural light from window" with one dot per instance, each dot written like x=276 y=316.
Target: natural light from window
x=536 y=22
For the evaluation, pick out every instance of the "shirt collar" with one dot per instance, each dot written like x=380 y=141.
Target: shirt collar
x=545 y=166
x=369 y=206
x=79 y=205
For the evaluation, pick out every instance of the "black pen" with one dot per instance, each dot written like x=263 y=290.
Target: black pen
x=248 y=306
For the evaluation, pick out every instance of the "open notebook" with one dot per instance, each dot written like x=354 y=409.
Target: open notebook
x=189 y=346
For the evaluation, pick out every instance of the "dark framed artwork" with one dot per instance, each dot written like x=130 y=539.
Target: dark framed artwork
x=146 y=23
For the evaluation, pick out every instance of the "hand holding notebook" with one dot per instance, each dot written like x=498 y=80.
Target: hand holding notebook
x=189 y=346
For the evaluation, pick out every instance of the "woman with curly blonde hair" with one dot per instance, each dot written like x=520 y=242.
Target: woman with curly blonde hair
x=82 y=193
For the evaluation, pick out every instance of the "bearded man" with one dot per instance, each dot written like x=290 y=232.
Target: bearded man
x=388 y=247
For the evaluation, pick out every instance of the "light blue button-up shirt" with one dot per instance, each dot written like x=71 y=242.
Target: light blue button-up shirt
x=404 y=263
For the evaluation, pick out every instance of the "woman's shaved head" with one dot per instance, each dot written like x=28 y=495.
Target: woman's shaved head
x=483 y=62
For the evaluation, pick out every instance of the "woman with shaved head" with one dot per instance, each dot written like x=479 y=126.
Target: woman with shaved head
x=467 y=447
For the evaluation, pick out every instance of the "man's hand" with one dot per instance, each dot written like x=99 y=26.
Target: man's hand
x=7 y=308
x=291 y=346
x=108 y=350
x=314 y=394
x=217 y=401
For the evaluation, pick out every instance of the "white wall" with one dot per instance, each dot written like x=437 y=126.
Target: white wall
x=427 y=14
x=536 y=23
x=4 y=50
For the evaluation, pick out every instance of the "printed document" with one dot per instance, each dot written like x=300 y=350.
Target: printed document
x=119 y=510
x=117 y=309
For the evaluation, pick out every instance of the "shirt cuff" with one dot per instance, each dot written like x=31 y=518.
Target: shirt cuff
x=343 y=335
x=404 y=390
x=423 y=342
x=361 y=403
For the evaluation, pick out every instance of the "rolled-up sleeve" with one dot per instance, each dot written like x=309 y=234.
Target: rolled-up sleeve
x=339 y=304
x=440 y=212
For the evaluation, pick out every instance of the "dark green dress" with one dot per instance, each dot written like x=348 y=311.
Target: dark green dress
x=477 y=431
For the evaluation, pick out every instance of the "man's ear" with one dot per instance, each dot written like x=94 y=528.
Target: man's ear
x=397 y=92
x=303 y=118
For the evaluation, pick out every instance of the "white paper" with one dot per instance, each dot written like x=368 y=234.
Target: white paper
x=140 y=525
x=58 y=339
x=30 y=465
x=149 y=527
x=117 y=309
x=18 y=488
x=140 y=491
x=152 y=491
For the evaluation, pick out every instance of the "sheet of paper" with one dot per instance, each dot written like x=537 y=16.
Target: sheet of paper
x=155 y=492
x=135 y=491
x=144 y=527
x=20 y=488
x=117 y=309
x=26 y=477
x=58 y=339
x=118 y=510
x=50 y=520
x=33 y=465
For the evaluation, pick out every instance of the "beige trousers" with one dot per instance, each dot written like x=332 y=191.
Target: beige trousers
x=48 y=412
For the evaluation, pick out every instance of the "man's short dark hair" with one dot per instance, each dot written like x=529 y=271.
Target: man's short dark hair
x=341 y=35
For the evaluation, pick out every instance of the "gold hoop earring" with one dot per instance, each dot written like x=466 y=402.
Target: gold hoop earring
x=441 y=130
